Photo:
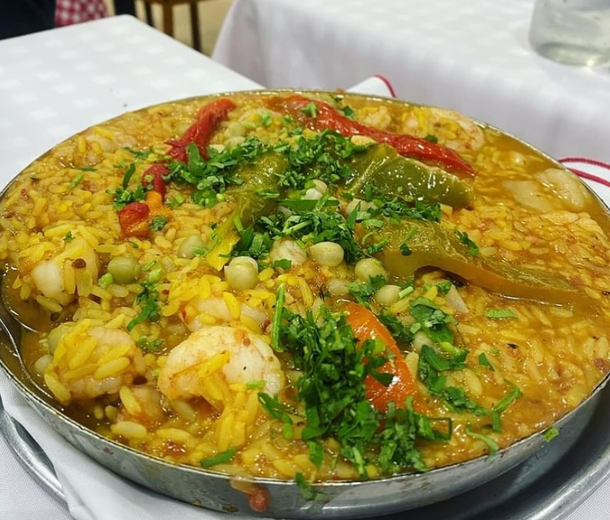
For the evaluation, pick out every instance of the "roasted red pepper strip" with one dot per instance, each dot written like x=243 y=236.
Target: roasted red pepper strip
x=133 y=219
x=366 y=326
x=156 y=171
x=202 y=129
x=406 y=145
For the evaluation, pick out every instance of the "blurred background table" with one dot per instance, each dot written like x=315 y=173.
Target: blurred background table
x=472 y=56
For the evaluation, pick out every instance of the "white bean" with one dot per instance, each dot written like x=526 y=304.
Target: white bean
x=387 y=295
x=367 y=268
x=327 y=253
x=242 y=273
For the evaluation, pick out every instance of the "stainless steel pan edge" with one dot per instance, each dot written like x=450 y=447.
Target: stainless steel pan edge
x=217 y=491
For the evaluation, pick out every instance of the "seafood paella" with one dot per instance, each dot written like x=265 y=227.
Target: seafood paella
x=312 y=287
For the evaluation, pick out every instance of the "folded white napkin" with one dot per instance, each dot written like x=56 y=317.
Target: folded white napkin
x=93 y=492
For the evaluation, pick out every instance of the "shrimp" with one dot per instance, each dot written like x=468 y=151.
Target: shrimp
x=451 y=128
x=92 y=361
x=211 y=359
x=198 y=308
x=61 y=277
x=288 y=250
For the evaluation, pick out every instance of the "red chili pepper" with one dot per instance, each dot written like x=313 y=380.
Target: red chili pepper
x=202 y=129
x=407 y=145
x=156 y=171
x=133 y=219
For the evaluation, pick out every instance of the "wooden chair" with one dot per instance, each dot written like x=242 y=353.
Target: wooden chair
x=168 y=17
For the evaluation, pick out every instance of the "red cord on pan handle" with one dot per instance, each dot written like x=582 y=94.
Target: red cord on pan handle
x=586 y=175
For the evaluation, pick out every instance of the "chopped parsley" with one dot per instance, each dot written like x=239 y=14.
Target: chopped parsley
x=139 y=154
x=147 y=345
x=158 y=223
x=431 y=138
x=123 y=197
x=502 y=405
x=473 y=249
x=212 y=177
x=400 y=332
x=175 y=201
x=68 y=237
x=221 y=458
x=76 y=181
x=85 y=168
x=550 y=433
x=444 y=287
x=405 y=250
x=491 y=444
x=311 y=110
x=284 y=263
x=364 y=291
x=348 y=111
x=332 y=391
x=278 y=411
x=150 y=309
x=251 y=385
x=317 y=225
x=105 y=280
x=485 y=362
x=306 y=489
x=266 y=119
x=498 y=314
x=128 y=175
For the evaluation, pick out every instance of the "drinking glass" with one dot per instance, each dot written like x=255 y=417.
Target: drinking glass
x=573 y=32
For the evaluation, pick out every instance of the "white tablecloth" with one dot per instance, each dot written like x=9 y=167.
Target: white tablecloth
x=54 y=84
x=469 y=55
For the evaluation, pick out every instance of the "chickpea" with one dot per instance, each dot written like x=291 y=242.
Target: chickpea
x=242 y=273
x=367 y=268
x=337 y=287
x=327 y=253
x=387 y=295
x=124 y=269
x=189 y=246
x=353 y=204
x=235 y=129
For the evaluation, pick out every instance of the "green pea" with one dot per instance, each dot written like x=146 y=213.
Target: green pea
x=124 y=269
x=190 y=245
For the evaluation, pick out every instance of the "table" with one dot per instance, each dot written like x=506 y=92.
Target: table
x=56 y=83
x=472 y=56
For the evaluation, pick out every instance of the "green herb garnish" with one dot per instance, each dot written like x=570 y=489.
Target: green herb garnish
x=498 y=314
x=128 y=175
x=311 y=110
x=491 y=444
x=485 y=362
x=473 y=249
x=550 y=433
x=147 y=345
x=76 y=181
x=158 y=223
x=222 y=458
x=68 y=237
